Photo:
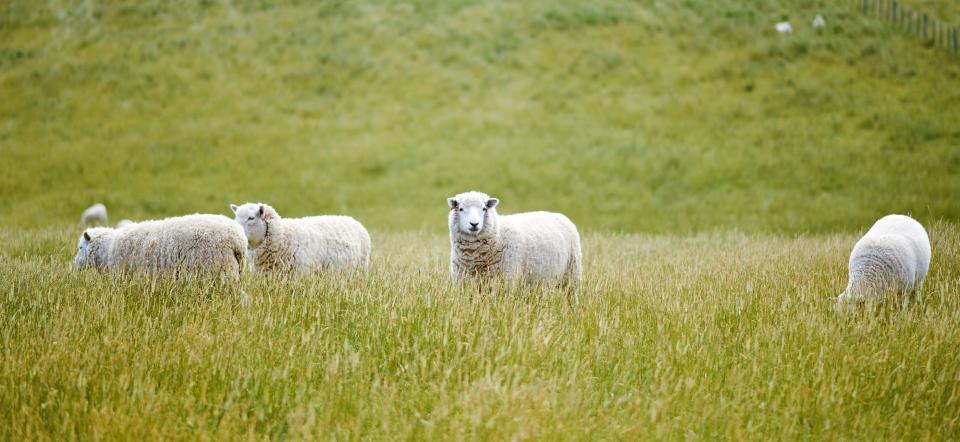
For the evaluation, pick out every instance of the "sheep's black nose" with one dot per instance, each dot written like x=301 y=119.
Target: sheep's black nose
x=474 y=224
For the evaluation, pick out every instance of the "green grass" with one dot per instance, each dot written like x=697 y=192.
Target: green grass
x=720 y=335
x=663 y=117
x=947 y=11
x=721 y=174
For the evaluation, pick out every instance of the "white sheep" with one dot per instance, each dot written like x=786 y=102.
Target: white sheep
x=305 y=245
x=191 y=244
x=784 y=27
x=892 y=257
x=94 y=215
x=819 y=22
x=124 y=223
x=534 y=246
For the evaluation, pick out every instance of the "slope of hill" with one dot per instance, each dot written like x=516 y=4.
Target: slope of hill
x=636 y=116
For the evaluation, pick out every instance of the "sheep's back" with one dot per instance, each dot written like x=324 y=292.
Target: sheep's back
x=883 y=262
x=912 y=231
x=545 y=241
x=327 y=241
x=540 y=226
x=188 y=243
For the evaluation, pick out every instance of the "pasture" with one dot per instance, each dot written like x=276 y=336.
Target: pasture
x=716 y=335
x=719 y=173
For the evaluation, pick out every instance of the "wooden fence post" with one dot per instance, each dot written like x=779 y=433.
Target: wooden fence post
x=956 y=47
x=939 y=33
x=929 y=29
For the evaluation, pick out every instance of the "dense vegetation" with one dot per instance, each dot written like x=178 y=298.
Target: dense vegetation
x=708 y=336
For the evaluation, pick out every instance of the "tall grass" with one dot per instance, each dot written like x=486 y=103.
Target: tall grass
x=719 y=335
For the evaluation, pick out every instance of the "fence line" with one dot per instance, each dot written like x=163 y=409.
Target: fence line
x=932 y=31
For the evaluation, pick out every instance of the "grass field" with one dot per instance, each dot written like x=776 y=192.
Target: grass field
x=706 y=336
x=720 y=174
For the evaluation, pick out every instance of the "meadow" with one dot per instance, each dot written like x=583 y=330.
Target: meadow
x=719 y=173
x=716 y=335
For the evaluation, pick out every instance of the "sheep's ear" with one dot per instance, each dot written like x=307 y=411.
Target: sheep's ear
x=233 y=207
x=86 y=236
x=492 y=202
x=260 y=212
x=453 y=203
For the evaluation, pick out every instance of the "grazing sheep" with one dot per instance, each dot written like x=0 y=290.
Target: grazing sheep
x=124 y=223
x=305 y=245
x=191 y=244
x=533 y=246
x=819 y=22
x=95 y=215
x=893 y=257
x=784 y=27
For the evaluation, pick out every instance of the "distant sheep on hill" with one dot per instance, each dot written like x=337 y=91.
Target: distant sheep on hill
x=95 y=215
x=819 y=22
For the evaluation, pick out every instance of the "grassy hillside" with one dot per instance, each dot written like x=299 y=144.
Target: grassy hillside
x=711 y=336
x=747 y=161
x=946 y=11
x=634 y=116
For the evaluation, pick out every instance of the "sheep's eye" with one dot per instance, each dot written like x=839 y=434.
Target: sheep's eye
x=461 y=210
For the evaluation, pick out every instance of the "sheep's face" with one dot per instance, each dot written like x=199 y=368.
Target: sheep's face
x=250 y=217
x=89 y=248
x=83 y=258
x=472 y=213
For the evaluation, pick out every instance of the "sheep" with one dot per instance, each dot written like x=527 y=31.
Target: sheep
x=94 y=215
x=124 y=223
x=302 y=245
x=784 y=27
x=192 y=244
x=819 y=22
x=536 y=247
x=892 y=257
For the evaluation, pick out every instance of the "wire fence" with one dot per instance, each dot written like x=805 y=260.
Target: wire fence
x=928 y=28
